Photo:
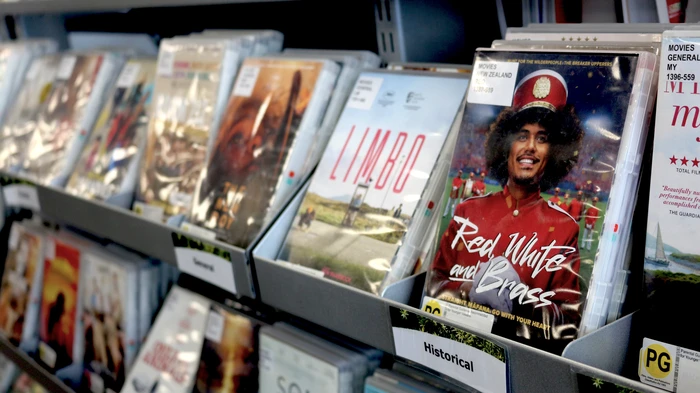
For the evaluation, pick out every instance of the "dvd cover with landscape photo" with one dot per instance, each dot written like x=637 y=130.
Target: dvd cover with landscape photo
x=365 y=192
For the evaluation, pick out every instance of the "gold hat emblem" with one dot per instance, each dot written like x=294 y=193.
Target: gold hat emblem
x=542 y=87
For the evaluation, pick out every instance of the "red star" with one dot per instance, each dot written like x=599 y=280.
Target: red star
x=696 y=162
x=684 y=161
x=674 y=159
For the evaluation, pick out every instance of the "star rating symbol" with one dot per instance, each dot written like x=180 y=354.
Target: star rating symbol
x=579 y=38
x=595 y=39
x=684 y=161
x=695 y=162
x=587 y=39
x=673 y=160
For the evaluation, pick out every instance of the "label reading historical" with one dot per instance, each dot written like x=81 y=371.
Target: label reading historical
x=364 y=93
x=669 y=367
x=492 y=83
x=468 y=358
x=245 y=83
x=204 y=261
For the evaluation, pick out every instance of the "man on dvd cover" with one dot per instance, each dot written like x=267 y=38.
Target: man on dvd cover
x=514 y=251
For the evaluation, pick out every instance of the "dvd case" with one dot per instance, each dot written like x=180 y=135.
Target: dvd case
x=22 y=279
x=110 y=161
x=367 y=190
x=21 y=119
x=60 y=333
x=110 y=320
x=262 y=146
x=228 y=363
x=169 y=358
x=543 y=226
x=66 y=117
x=193 y=79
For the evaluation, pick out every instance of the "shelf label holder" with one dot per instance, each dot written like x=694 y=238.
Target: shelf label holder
x=204 y=260
x=460 y=355
x=20 y=193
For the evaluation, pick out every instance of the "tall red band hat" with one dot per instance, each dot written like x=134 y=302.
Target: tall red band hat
x=541 y=89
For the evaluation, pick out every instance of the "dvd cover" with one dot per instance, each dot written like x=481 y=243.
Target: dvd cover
x=228 y=363
x=274 y=113
x=22 y=277
x=60 y=333
x=25 y=384
x=8 y=373
x=66 y=117
x=287 y=361
x=671 y=250
x=169 y=358
x=366 y=189
x=110 y=320
x=192 y=79
x=110 y=161
x=21 y=119
x=544 y=211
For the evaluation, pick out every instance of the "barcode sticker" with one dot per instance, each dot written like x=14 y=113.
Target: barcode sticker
x=65 y=68
x=245 y=83
x=166 y=63
x=128 y=76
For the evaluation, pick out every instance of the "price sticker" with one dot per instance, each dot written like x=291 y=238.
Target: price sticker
x=245 y=83
x=128 y=76
x=463 y=356
x=492 y=83
x=166 y=63
x=215 y=327
x=205 y=261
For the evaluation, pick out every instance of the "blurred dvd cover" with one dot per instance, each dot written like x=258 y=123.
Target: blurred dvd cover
x=66 y=117
x=60 y=335
x=25 y=384
x=110 y=321
x=22 y=279
x=185 y=97
x=169 y=359
x=530 y=191
x=274 y=112
x=21 y=119
x=111 y=158
x=228 y=363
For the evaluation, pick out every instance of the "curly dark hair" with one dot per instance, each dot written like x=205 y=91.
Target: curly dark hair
x=564 y=133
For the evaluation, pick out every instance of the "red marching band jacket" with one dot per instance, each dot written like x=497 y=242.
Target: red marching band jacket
x=538 y=238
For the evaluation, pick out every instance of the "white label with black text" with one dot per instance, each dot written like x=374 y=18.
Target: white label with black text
x=364 y=93
x=462 y=362
x=492 y=83
x=128 y=76
x=205 y=266
x=21 y=195
x=166 y=63
x=215 y=327
x=465 y=316
x=245 y=83
x=65 y=68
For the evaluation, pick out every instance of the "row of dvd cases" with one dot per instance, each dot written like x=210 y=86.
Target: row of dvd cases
x=255 y=275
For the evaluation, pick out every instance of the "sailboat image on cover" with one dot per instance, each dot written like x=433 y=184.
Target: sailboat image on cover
x=659 y=257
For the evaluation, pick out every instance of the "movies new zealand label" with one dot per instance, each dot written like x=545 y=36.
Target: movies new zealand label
x=527 y=192
x=365 y=191
x=255 y=138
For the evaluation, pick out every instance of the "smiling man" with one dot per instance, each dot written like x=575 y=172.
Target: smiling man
x=513 y=251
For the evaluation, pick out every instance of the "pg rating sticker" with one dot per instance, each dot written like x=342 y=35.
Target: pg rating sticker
x=669 y=367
